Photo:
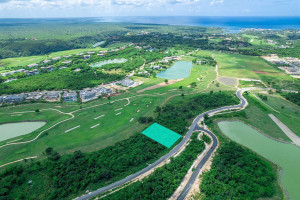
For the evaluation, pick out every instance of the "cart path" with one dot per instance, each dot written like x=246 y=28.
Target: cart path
x=192 y=128
x=295 y=138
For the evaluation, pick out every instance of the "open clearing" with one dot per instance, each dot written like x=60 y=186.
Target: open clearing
x=227 y=80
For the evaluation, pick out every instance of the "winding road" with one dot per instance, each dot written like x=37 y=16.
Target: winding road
x=193 y=127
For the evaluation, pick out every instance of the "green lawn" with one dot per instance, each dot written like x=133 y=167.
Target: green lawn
x=253 y=39
x=24 y=61
x=289 y=112
x=252 y=67
x=112 y=128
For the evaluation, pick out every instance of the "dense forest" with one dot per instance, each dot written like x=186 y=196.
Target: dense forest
x=237 y=173
x=176 y=115
x=163 y=182
x=59 y=177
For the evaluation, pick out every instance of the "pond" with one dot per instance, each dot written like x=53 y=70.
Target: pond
x=180 y=69
x=11 y=130
x=287 y=156
x=105 y=62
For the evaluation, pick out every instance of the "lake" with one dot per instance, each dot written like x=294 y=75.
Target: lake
x=105 y=62
x=11 y=130
x=287 y=156
x=180 y=69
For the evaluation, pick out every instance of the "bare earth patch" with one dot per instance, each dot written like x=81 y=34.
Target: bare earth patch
x=160 y=85
x=227 y=80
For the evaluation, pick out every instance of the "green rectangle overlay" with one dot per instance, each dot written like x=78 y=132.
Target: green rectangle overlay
x=161 y=134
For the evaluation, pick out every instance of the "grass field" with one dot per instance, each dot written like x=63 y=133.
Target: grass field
x=289 y=112
x=252 y=39
x=252 y=67
x=6 y=64
x=115 y=125
x=112 y=128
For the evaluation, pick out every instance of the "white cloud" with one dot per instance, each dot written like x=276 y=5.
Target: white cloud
x=11 y=4
x=214 y=2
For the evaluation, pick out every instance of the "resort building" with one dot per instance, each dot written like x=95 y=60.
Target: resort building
x=126 y=82
x=18 y=98
x=52 y=96
x=46 y=61
x=56 y=58
x=86 y=57
x=67 y=62
x=70 y=96
x=34 y=96
x=32 y=65
x=87 y=95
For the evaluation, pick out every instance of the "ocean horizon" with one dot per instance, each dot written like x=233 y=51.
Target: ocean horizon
x=231 y=24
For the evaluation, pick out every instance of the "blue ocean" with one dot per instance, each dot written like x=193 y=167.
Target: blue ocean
x=230 y=23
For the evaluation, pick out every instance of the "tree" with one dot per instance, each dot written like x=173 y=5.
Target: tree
x=206 y=116
x=180 y=87
x=166 y=81
x=49 y=151
x=193 y=84
x=158 y=109
x=37 y=110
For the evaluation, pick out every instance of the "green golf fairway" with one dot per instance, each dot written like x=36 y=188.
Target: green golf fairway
x=286 y=156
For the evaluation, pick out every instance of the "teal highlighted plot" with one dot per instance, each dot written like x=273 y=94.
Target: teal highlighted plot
x=161 y=134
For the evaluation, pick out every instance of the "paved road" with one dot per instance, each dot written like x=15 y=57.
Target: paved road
x=192 y=128
x=196 y=172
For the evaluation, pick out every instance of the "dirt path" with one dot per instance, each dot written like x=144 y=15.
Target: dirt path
x=286 y=130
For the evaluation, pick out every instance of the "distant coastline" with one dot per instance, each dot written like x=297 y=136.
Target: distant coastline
x=231 y=24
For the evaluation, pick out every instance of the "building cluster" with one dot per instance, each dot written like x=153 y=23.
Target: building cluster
x=89 y=94
x=155 y=67
x=169 y=59
x=56 y=96
x=66 y=62
x=32 y=96
x=128 y=83
x=27 y=72
x=289 y=65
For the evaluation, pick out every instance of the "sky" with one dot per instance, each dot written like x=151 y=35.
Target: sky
x=99 y=8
